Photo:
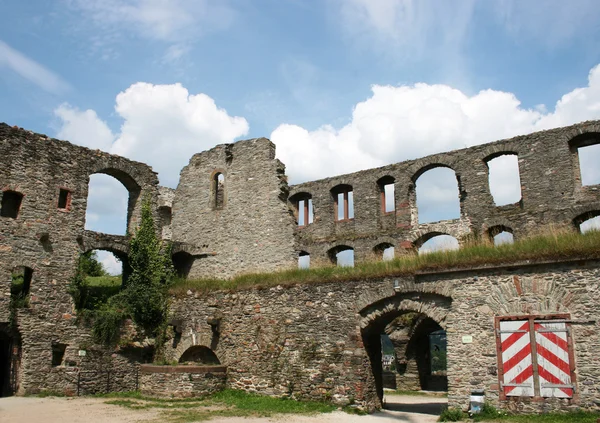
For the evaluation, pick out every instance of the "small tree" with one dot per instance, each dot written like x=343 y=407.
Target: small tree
x=90 y=265
x=151 y=273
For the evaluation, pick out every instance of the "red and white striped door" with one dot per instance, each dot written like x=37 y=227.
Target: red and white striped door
x=517 y=364
x=553 y=359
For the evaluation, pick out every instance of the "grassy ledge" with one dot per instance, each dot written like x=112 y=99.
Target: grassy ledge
x=551 y=245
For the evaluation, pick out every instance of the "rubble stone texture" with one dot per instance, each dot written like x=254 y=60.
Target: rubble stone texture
x=313 y=341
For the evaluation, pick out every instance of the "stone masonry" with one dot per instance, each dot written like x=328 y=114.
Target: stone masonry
x=233 y=212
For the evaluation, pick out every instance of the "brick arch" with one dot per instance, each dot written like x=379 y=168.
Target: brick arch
x=419 y=238
x=433 y=305
x=418 y=172
x=116 y=244
x=523 y=294
x=189 y=340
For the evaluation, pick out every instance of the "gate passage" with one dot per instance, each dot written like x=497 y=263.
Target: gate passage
x=538 y=365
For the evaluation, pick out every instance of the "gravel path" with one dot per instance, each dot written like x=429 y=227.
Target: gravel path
x=409 y=409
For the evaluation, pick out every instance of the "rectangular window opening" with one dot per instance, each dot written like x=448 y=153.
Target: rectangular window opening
x=589 y=157
x=64 y=199
x=535 y=357
x=11 y=204
x=388 y=198
x=58 y=353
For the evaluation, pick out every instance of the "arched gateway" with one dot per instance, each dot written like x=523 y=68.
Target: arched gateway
x=375 y=317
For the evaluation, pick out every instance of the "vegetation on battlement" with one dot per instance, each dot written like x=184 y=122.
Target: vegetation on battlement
x=549 y=245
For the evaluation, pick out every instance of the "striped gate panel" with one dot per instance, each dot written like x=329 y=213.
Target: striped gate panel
x=516 y=358
x=553 y=360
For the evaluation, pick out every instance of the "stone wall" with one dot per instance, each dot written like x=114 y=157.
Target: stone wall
x=252 y=229
x=551 y=190
x=181 y=381
x=49 y=240
x=316 y=341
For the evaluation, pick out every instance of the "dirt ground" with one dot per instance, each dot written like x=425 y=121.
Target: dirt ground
x=400 y=408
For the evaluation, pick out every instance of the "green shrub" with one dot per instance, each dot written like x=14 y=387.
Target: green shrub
x=452 y=415
x=107 y=324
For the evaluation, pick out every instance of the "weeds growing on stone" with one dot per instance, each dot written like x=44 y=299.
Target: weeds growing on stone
x=549 y=245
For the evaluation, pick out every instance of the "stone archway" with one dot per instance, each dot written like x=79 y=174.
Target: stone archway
x=377 y=316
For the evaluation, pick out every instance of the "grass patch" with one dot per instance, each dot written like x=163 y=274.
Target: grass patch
x=550 y=245
x=100 y=289
x=227 y=403
x=574 y=417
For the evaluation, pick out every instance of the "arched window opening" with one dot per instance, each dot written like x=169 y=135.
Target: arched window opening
x=107 y=205
x=182 y=262
x=11 y=204
x=437 y=243
x=199 y=354
x=20 y=286
x=586 y=148
x=587 y=222
x=343 y=201
x=387 y=194
x=384 y=251
x=219 y=191
x=437 y=195
x=504 y=179
x=342 y=256
x=303 y=260
x=103 y=272
x=501 y=234
x=592 y=224
x=303 y=208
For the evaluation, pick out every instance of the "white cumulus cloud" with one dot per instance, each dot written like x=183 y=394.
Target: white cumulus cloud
x=163 y=126
x=399 y=123
x=406 y=122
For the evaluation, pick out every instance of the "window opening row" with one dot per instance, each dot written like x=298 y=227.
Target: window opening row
x=12 y=200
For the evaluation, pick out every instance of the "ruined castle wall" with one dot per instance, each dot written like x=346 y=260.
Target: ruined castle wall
x=251 y=228
x=49 y=239
x=550 y=185
x=309 y=341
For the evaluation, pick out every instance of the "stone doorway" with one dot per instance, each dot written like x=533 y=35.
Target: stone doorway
x=9 y=360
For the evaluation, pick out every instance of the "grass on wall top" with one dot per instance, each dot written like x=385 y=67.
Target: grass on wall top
x=551 y=245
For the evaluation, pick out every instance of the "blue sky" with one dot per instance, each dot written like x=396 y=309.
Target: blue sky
x=157 y=80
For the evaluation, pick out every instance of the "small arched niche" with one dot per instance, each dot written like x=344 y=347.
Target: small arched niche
x=436 y=242
x=218 y=191
x=182 y=263
x=500 y=235
x=199 y=354
x=588 y=221
x=303 y=260
x=384 y=251
x=341 y=256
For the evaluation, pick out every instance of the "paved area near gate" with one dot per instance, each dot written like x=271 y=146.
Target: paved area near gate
x=409 y=409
